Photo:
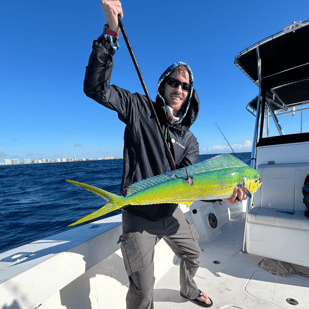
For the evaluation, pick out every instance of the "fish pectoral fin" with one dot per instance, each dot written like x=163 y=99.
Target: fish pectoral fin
x=189 y=179
x=188 y=203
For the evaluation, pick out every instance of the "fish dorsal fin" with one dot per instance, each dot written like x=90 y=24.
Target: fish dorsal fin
x=219 y=162
x=216 y=163
x=150 y=182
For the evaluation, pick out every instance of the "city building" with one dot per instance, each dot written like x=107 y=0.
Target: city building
x=28 y=161
x=37 y=161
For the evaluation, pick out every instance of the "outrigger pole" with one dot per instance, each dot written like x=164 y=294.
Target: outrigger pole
x=170 y=156
x=257 y=120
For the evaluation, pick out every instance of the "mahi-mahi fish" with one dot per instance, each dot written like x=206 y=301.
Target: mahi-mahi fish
x=211 y=179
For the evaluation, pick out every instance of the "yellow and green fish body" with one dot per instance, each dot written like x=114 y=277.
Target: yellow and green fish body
x=211 y=179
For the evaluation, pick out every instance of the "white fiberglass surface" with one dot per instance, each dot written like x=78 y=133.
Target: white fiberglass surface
x=285 y=153
x=237 y=282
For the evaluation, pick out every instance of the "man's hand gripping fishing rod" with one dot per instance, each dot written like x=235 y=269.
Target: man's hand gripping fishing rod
x=111 y=10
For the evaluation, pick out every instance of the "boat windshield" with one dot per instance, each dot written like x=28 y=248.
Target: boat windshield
x=294 y=120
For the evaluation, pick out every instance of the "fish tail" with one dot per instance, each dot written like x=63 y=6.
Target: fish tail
x=114 y=202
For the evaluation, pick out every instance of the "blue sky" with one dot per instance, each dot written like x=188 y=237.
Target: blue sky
x=44 y=49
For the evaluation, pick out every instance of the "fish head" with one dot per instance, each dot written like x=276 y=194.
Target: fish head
x=253 y=182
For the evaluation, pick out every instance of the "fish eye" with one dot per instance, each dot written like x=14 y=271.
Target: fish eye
x=258 y=179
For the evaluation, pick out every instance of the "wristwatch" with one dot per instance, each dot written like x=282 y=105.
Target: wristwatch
x=113 y=40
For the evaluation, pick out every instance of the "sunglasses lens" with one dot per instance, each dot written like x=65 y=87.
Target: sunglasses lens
x=175 y=84
x=186 y=86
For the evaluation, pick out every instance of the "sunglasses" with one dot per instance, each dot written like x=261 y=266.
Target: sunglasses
x=305 y=189
x=175 y=83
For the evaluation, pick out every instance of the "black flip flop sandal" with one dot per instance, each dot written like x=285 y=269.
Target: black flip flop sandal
x=197 y=302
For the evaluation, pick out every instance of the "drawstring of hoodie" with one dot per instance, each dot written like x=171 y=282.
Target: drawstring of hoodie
x=166 y=138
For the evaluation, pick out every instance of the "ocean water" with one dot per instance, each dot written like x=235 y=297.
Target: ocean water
x=37 y=202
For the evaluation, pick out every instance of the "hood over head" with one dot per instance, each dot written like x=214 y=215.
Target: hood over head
x=190 y=109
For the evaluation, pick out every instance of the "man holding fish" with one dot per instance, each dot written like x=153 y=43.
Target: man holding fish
x=145 y=156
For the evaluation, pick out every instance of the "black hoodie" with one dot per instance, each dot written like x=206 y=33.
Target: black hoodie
x=144 y=153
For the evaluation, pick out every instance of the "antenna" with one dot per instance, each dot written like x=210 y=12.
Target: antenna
x=301 y=119
x=226 y=139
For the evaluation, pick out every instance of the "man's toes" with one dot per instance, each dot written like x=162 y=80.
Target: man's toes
x=205 y=299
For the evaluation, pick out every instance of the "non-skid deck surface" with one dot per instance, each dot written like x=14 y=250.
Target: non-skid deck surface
x=237 y=282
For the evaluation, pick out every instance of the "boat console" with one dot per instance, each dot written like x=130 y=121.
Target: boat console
x=276 y=225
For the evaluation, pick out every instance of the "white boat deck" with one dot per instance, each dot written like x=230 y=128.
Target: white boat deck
x=83 y=268
x=237 y=282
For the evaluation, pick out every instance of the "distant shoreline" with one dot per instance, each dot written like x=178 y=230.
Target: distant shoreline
x=90 y=159
x=68 y=161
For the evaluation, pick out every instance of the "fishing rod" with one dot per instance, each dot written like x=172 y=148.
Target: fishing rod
x=226 y=139
x=170 y=156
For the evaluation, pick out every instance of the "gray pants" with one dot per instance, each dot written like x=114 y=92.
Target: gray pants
x=137 y=245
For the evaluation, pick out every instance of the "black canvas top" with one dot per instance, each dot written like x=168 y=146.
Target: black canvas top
x=285 y=65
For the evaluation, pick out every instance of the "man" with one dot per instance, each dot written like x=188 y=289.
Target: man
x=145 y=155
